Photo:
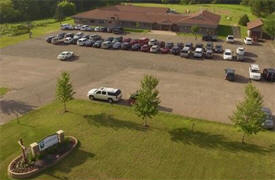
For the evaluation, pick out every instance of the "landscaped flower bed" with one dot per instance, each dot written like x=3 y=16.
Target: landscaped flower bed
x=19 y=169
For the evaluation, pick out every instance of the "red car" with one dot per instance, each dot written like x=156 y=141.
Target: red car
x=145 y=48
x=126 y=39
x=143 y=41
x=134 y=41
x=164 y=50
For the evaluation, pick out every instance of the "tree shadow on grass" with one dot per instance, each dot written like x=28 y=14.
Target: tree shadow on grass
x=213 y=141
x=76 y=158
x=107 y=120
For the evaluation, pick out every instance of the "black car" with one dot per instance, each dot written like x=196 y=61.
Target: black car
x=175 y=50
x=118 y=39
x=135 y=47
x=209 y=38
x=190 y=45
x=199 y=45
x=49 y=39
x=118 y=30
x=169 y=45
x=218 y=49
x=86 y=36
x=180 y=45
x=126 y=46
x=95 y=37
x=97 y=44
x=269 y=74
x=103 y=29
x=69 y=35
x=209 y=45
x=229 y=74
x=110 y=39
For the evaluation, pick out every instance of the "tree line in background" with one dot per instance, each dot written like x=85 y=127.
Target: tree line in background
x=260 y=8
x=189 y=1
x=27 y=10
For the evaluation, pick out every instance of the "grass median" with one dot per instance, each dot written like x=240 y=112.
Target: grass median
x=41 y=27
x=3 y=91
x=114 y=145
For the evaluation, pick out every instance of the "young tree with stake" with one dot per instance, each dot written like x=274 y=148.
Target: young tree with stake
x=195 y=29
x=147 y=102
x=64 y=89
x=249 y=116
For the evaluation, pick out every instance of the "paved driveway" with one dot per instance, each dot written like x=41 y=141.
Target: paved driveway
x=188 y=87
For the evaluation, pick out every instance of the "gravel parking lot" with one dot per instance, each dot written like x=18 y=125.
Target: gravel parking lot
x=189 y=87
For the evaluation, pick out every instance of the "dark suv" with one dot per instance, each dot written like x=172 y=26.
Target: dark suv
x=209 y=38
x=269 y=74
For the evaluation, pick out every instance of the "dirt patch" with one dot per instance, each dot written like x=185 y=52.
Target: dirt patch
x=169 y=33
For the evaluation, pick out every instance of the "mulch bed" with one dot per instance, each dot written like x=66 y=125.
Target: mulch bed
x=47 y=159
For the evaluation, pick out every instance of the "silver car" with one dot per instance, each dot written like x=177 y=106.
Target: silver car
x=106 y=45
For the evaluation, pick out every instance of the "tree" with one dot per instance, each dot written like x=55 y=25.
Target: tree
x=249 y=116
x=262 y=8
x=269 y=26
x=28 y=9
x=7 y=12
x=63 y=9
x=64 y=89
x=195 y=29
x=243 y=20
x=147 y=102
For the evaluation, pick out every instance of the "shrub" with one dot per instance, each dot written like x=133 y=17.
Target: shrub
x=243 y=20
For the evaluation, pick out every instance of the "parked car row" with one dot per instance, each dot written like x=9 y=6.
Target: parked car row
x=255 y=73
x=186 y=50
x=247 y=40
x=115 y=30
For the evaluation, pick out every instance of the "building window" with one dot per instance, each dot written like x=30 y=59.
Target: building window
x=92 y=21
x=101 y=21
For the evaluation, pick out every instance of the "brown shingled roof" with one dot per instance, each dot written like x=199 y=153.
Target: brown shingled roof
x=254 y=24
x=202 y=17
x=149 y=15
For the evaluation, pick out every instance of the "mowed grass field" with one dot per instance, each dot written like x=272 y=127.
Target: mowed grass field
x=230 y=14
x=49 y=25
x=114 y=145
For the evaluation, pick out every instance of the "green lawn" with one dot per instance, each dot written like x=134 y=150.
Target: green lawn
x=136 y=30
x=3 y=91
x=42 y=27
x=114 y=145
x=230 y=14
